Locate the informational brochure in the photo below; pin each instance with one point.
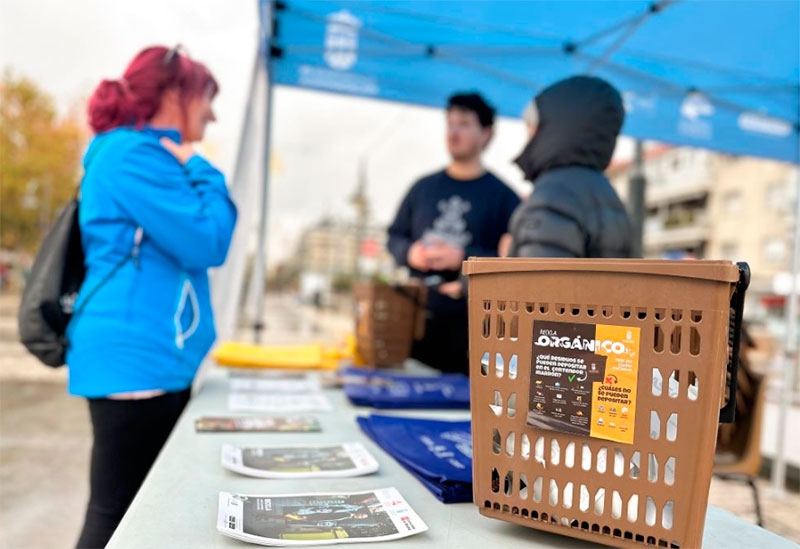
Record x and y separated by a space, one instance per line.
278 403
265 373
257 424
300 461
317 519
305 384
584 378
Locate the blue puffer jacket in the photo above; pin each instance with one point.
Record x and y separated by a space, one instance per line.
149 324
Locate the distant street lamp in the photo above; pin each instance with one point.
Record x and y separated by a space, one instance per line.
360 203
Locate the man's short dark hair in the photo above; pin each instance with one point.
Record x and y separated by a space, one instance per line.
473 102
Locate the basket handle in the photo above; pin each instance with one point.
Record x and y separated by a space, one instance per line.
727 414
413 297
419 303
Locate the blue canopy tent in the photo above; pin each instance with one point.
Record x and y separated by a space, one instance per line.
718 75
722 75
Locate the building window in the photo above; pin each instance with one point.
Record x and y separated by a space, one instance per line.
730 251
776 196
732 203
775 250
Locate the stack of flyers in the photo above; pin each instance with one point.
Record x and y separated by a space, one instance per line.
437 453
300 461
277 393
278 403
265 374
297 424
398 391
317 519
302 384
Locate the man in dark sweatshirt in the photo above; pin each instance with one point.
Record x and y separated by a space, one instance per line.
573 210
446 217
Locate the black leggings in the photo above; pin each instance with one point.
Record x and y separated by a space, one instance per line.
128 435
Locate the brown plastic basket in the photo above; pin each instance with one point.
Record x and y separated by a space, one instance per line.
621 453
388 320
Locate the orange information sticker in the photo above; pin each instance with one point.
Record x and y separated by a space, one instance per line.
583 379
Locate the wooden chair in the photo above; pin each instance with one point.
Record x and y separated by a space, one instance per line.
738 453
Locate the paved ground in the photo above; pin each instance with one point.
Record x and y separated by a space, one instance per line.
44 465
45 441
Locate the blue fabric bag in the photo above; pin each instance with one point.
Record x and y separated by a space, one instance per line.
397 391
438 453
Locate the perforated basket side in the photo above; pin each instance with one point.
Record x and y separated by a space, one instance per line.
653 491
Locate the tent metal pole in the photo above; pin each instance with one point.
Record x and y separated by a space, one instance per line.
636 189
260 267
228 281
599 63
789 357
632 27
247 122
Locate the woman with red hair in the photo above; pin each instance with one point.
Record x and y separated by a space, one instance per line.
154 217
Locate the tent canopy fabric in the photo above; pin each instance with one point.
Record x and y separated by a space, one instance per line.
722 75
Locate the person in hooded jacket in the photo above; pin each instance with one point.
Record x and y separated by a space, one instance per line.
573 210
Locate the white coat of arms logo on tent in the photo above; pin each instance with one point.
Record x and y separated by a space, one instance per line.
695 106
696 116
341 40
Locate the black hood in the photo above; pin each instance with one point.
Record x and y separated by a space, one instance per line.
579 121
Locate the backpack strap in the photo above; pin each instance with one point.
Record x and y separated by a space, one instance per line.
133 255
137 237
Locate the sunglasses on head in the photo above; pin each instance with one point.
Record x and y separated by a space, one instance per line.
173 54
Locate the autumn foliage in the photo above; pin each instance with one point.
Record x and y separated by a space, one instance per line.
40 156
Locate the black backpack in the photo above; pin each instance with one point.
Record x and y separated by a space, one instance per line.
52 286
48 301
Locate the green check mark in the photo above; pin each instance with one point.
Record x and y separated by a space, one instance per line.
571 378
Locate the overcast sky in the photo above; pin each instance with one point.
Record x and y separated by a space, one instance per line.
69 46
